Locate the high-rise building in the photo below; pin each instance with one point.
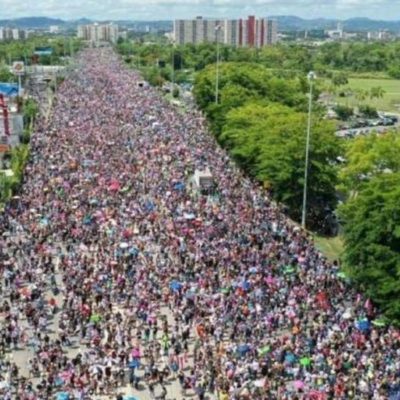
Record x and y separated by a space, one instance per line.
99 32
11 34
251 32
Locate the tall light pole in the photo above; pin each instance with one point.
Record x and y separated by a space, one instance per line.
173 66
311 78
217 30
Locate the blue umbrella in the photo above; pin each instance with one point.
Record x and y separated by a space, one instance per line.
129 397
290 358
363 325
149 205
62 396
179 186
133 251
175 286
243 349
87 220
246 285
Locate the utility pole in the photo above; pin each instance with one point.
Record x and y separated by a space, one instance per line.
173 66
310 77
217 30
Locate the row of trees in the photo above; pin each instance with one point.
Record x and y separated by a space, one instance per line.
23 50
19 155
284 58
371 218
261 119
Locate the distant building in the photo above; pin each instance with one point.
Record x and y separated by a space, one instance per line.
54 29
380 35
252 32
99 32
336 34
11 34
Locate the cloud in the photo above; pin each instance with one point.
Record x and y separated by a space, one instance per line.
170 9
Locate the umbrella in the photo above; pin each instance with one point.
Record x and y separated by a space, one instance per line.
262 351
316 395
305 361
129 397
95 318
269 280
245 285
87 220
290 358
298 385
44 221
341 275
175 286
289 269
149 205
62 396
123 245
179 186
363 325
243 349
379 323
114 186
189 216
225 290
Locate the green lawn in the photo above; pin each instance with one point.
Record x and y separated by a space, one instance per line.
332 248
389 102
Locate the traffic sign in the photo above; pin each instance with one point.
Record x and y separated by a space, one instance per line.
18 68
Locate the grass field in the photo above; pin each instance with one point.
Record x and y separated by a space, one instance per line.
390 100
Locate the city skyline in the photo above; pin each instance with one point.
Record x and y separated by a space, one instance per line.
176 9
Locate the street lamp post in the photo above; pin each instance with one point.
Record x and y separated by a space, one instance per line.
310 77
217 30
173 66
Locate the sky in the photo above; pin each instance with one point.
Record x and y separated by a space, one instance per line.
171 9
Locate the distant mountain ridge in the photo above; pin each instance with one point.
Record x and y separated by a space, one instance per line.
293 23
285 23
31 22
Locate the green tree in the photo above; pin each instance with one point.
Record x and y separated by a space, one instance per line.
30 110
376 93
241 82
343 112
340 79
372 239
269 143
368 157
360 95
368 111
5 74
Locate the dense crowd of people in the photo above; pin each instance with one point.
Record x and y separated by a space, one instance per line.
117 271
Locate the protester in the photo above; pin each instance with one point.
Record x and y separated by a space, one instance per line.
117 272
